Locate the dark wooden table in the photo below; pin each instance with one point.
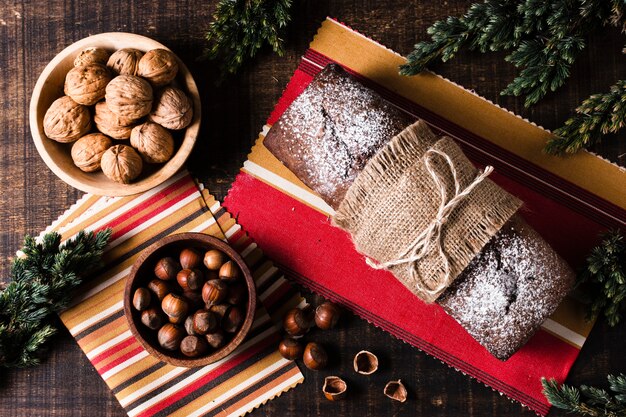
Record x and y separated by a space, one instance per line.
31 197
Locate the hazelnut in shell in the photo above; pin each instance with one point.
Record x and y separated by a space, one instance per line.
129 96
193 346
214 291
298 321
170 336
216 339
159 288
229 271
154 143
314 357
326 315
290 348
176 307
195 299
190 258
172 109
87 84
221 310
237 294
121 163
152 318
65 120
188 325
91 55
214 259
110 123
167 268
141 299
124 61
334 388
87 151
232 320
190 279
204 321
159 66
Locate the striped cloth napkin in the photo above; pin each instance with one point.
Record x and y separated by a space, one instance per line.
145 386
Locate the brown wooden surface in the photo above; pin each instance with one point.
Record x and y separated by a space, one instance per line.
32 32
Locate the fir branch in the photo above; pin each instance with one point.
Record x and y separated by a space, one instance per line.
241 27
605 274
598 115
42 282
586 400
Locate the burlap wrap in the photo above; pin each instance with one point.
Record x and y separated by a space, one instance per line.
395 198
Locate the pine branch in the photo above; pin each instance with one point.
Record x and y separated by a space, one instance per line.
598 115
42 282
241 27
586 400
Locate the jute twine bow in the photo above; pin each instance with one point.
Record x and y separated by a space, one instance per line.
432 234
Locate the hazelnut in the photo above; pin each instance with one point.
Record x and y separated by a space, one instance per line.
121 163
141 299
124 61
326 315
365 363
220 310
152 318
190 279
166 268
110 123
237 294
204 322
232 320
214 259
91 55
190 258
193 346
172 109
189 326
159 66
289 348
314 356
66 120
159 288
334 388
86 85
170 336
395 390
154 143
87 151
214 291
176 307
298 321
129 96
216 339
195 299
229 271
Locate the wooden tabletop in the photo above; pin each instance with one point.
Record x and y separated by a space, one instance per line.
31 197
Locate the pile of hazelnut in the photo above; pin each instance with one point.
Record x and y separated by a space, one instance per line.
196 303
126 95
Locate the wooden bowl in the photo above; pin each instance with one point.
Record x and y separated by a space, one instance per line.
143 271
57 156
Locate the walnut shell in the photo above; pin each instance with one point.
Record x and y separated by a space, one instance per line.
129 96
91 55
66 120
110 123
153 142
159 66
86 85
173 109
121 163
124 61
88 150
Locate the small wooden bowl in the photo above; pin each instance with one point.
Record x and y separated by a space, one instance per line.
143 271
57 156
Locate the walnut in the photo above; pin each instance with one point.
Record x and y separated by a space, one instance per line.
65 120
110 123
87 151
91 55
121 163
124 61
86 85
129 96
153 142
172 110
159 66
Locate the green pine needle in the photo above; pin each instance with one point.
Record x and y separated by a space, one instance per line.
42 283
586 400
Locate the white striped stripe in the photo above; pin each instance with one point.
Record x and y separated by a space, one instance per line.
230 232
564 333
133 359
202 227
215 207
127 334
268 395
94 319
247 251
288 187
149 387
270 290
265 130
215 402
266 275
115 278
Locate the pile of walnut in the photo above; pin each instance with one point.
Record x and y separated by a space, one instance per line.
129 95
194 308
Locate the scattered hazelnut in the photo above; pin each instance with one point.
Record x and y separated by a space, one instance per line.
154 143
91 55
214 259
214 292
334 388
176 307
159 288
124 61
141 299
290 348
121 163
204 322
152 318
86 84
365 363
216 339
167 268
159 66
129 96
395 390
190 258
65 120
229 271
232 319
170 336
190 279
326 315
110 123
87 151
314 356
297 321
193 346
172 109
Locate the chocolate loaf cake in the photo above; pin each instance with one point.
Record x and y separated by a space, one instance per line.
331 130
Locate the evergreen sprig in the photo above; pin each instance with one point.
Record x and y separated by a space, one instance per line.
543 38
241 27
605 275
42 280
587 400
